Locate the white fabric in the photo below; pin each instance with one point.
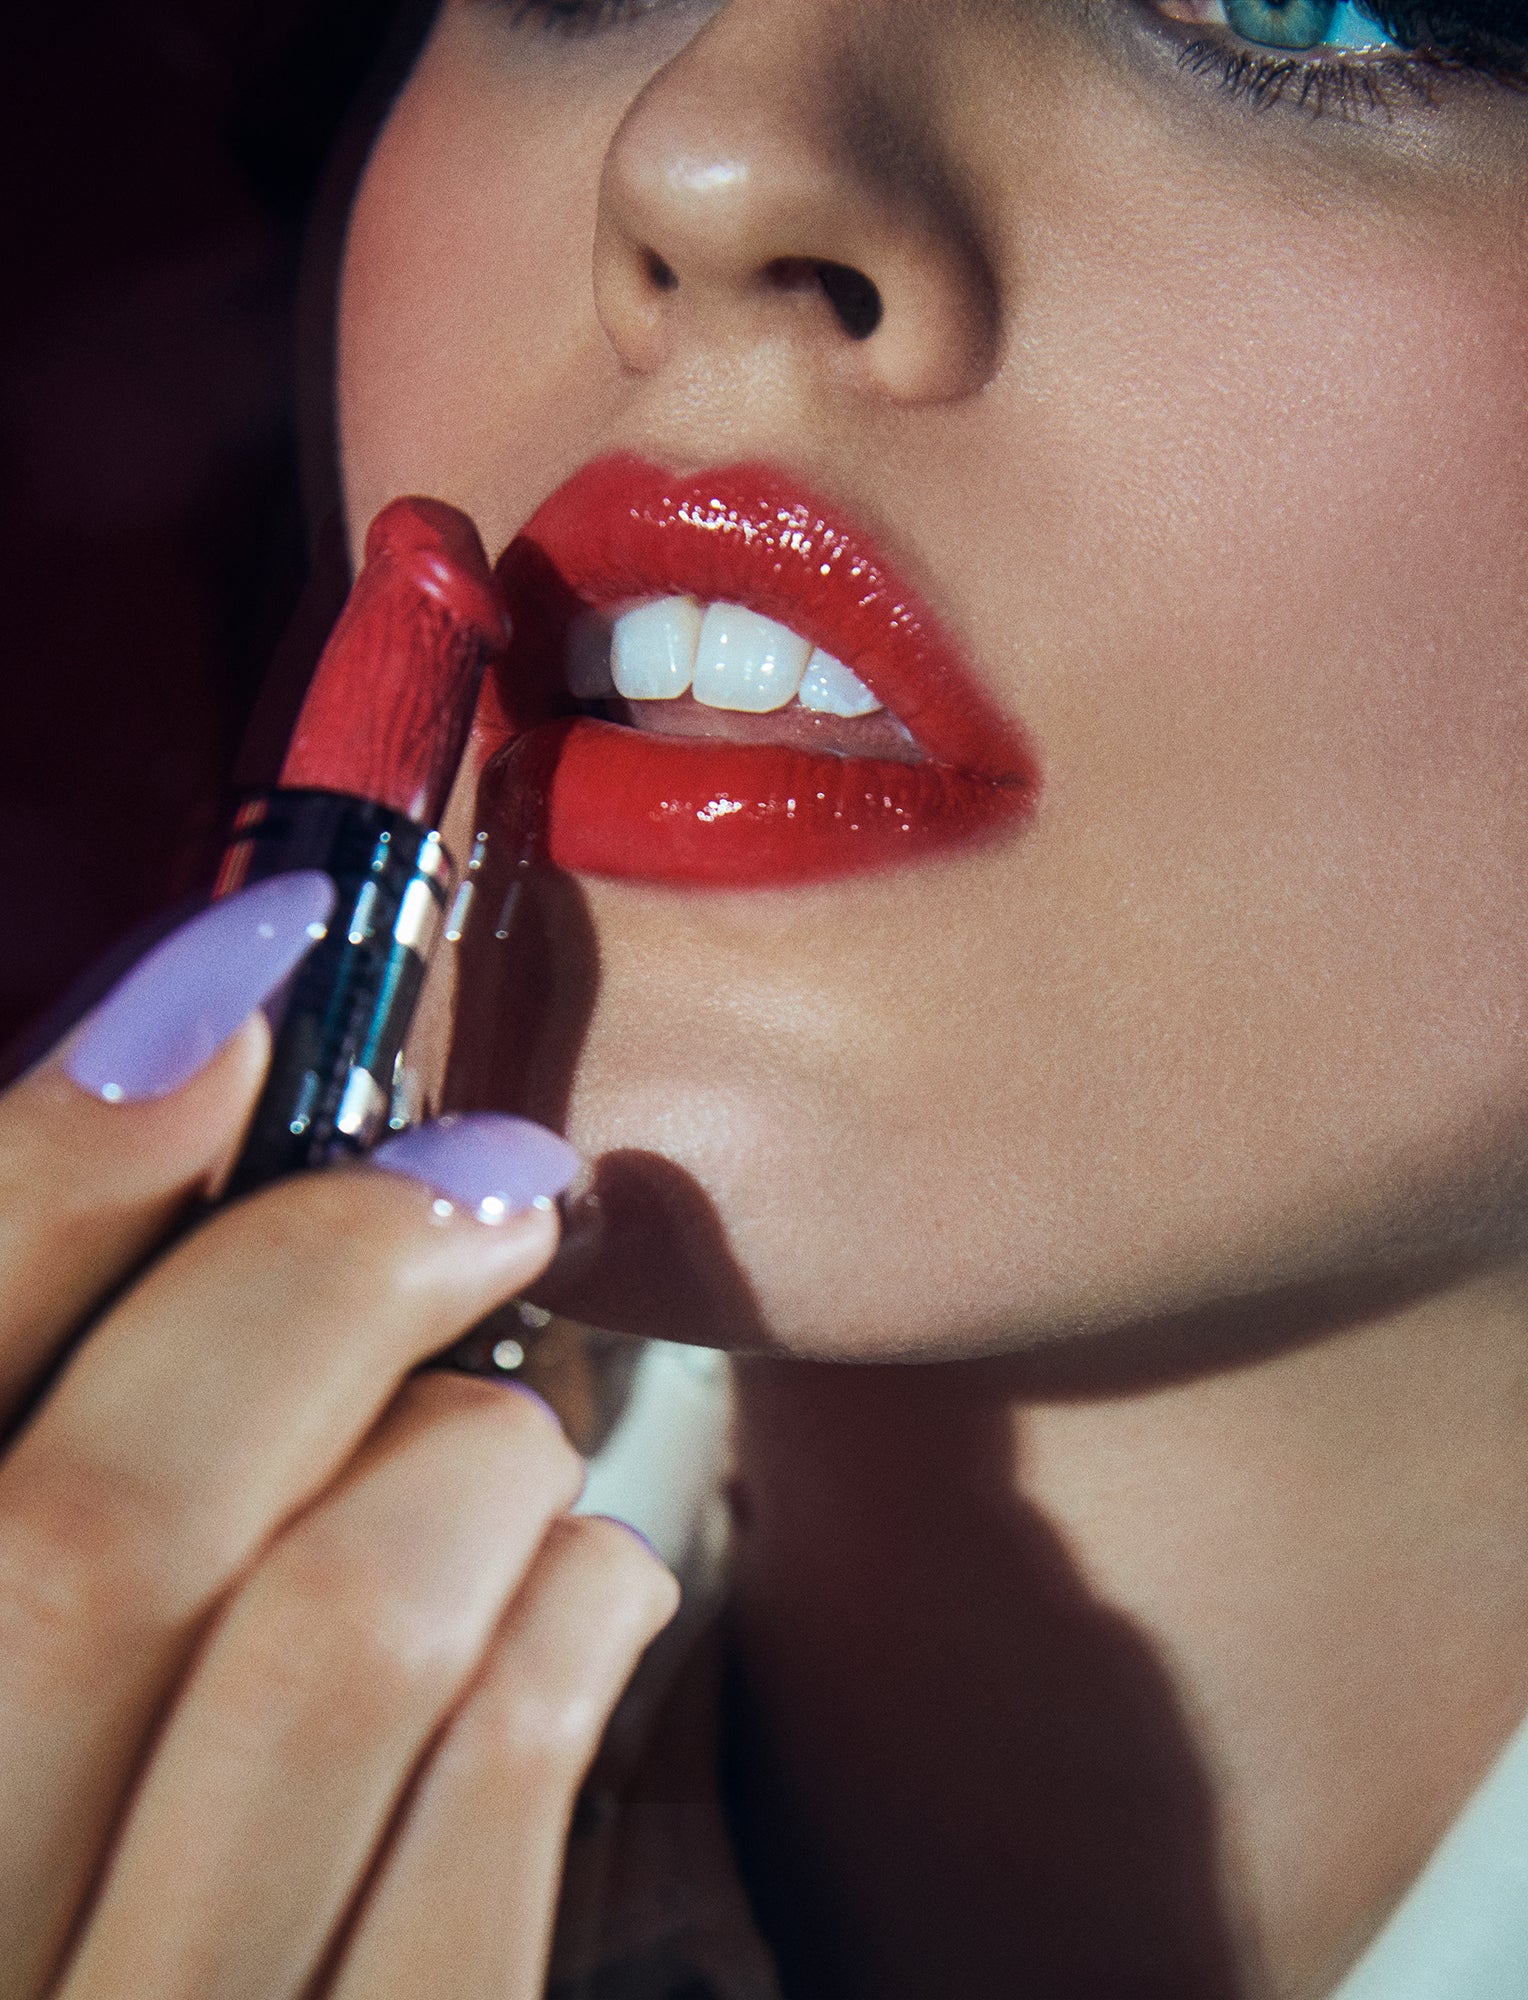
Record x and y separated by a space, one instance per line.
661 1468
1461 1933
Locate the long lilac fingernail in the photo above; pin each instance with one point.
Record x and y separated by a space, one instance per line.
482 1161
177 1007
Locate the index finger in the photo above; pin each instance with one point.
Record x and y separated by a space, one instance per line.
105 1142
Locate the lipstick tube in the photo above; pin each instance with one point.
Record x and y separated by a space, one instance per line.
372 760
343 1019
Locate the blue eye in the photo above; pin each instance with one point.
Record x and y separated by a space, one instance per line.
1304 24
1281 24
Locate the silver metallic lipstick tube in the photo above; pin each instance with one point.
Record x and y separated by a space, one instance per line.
338 1028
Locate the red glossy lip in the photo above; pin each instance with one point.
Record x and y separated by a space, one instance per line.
626 802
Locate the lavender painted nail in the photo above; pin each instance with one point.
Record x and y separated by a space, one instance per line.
480 1160
177 1007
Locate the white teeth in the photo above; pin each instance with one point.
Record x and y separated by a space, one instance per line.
830 688
747 662
727 655
589 676
653 649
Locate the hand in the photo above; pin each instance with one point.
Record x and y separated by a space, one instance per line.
302 1656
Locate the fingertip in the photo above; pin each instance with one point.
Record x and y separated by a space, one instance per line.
143 1149
629 1528
647 1578
496 1167
177 1008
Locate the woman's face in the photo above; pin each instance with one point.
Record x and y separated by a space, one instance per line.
1199 416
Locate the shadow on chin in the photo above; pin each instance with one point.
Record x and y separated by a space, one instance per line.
645 1252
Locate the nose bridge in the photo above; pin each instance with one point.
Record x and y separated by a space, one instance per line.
764 180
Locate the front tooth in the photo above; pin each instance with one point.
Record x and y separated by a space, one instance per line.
830 688
652 649
747 662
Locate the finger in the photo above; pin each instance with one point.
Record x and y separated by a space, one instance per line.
465 1899
323 1681
221 1394
106 1142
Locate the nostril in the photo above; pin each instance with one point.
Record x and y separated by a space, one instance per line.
854 299
661 276
791 274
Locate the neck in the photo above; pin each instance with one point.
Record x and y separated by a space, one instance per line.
1166 1692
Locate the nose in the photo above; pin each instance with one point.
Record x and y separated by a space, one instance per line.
764 190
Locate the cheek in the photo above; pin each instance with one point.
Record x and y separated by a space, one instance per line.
1267 480
1299 571
471 364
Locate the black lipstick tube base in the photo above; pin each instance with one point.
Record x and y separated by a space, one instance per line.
340 1025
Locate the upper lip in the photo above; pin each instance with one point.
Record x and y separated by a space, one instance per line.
622 529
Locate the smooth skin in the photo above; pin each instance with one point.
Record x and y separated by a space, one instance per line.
1183 1139
302 1657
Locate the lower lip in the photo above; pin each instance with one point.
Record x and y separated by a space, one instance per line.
625 802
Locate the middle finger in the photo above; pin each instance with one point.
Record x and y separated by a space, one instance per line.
318 1690
219 1396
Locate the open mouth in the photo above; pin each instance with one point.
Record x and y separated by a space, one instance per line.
680 668
715 680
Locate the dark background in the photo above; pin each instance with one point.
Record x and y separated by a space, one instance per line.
176 175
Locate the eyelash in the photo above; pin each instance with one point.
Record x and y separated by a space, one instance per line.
1337 86
578 17
1323 86
1352 89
